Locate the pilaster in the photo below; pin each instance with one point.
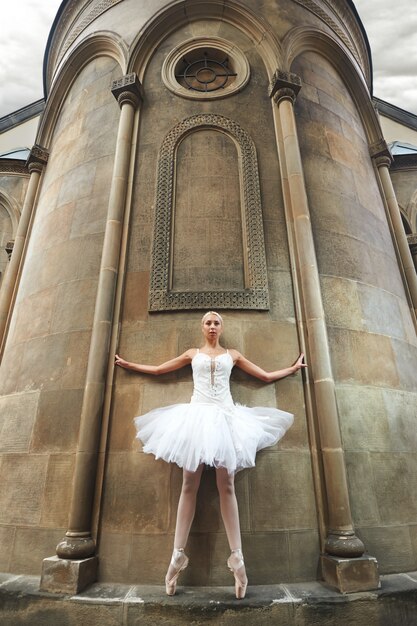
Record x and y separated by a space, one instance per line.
35 163
78 545
382 158
329 470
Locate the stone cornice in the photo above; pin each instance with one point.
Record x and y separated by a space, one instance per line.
13 167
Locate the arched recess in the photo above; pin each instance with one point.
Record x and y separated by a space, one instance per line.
9 219
412 212
181 12
302 39
254 295
10 206
101 43
406 222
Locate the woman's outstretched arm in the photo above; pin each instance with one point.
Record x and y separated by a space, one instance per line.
268 377
169 366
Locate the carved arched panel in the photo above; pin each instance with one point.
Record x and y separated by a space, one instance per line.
166 291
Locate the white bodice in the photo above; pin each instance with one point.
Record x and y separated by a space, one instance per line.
211 378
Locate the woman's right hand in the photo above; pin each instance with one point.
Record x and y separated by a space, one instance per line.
121 362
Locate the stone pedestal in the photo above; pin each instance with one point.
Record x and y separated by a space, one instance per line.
68 576
350 575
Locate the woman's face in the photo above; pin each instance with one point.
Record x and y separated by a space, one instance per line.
212 327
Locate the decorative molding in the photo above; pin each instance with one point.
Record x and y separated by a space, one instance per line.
10 166
9 248
255 296
312 6
239 60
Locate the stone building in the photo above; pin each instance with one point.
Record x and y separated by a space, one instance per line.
192 155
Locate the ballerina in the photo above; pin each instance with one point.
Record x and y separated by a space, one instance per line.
210 430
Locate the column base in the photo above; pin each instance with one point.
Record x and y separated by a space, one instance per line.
68 576
350 574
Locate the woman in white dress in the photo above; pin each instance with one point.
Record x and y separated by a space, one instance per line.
210 430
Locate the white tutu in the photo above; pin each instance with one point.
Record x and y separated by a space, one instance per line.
211 429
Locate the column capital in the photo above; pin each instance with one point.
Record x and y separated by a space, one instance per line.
37 159
380 153
128 88
284 86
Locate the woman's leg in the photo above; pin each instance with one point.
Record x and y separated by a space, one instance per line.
186 511
228 507
230 515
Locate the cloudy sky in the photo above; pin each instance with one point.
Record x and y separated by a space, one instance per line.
391 28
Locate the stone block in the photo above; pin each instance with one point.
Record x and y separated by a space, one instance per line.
406 364
17 415
10 368
31 545
350 575
125 407
363 418
43 362
58 489
363 357
74 309
135 303
341 302
401 414
395 480
114 550
363 500
380 311
34 315
303 555
89 217
266 557
136 496
65 576
6 545
74 371
149 558
282 491
57 421
21 488
281 296
390 545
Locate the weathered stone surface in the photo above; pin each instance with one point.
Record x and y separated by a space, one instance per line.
65 576
350 575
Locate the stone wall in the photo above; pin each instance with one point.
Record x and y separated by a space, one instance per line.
43 367
372 338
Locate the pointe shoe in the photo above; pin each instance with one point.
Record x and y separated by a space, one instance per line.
179 560
241 581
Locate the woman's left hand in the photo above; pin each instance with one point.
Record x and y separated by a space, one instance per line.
299 364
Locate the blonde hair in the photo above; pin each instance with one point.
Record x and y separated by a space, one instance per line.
211 313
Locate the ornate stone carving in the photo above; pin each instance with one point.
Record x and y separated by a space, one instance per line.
127 89
380 153
255 296
314 7
100 8
37 158
9 248
284 85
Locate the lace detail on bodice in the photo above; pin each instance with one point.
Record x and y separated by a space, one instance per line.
211 378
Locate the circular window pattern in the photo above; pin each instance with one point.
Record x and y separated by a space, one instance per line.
205 69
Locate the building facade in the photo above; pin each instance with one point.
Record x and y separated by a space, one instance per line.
195 155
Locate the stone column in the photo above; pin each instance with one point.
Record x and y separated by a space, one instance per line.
382 158
35 163
75 565
343 563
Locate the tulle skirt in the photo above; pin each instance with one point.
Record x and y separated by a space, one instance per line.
216 435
